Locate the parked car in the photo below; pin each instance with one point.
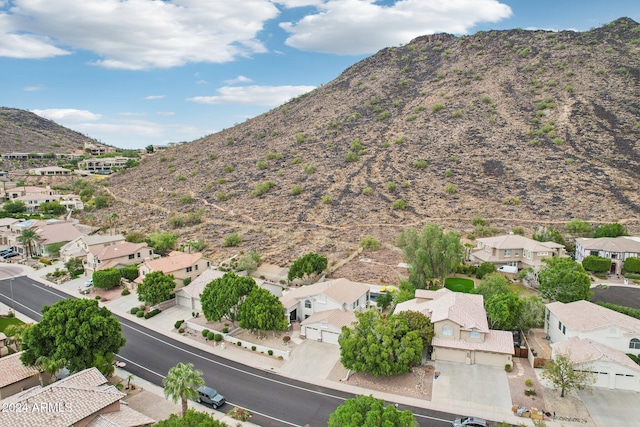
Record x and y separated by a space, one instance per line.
210 396
9 255
508 269
470 422
88 283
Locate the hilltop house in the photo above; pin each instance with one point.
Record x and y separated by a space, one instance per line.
325 307
461 329
181 265
104 165
33 201
117 256
617 249
51 171
514 250
599 337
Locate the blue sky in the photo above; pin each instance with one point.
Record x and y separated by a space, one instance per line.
136 72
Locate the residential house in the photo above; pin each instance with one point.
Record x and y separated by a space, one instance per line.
189 296
5 230
325 307
16 377
33 201
97 149
606 333
50 232
461 330
82 245
15 192
181 265
117 256
51 171
104 165
84 399
617 249
4 349
514 250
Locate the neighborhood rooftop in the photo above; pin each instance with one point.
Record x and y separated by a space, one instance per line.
586 316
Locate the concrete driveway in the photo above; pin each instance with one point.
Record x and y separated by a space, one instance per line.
471 386
312 359
611 407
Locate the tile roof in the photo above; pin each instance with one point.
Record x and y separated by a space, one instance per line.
337 318
494 342
514 241
13 370
611 244
118 250
343 291
125 417
97 239
467 310
195 288
584 350
58 232
174 262
583 316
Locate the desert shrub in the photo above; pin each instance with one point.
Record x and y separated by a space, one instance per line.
420 164
508 368
530 392
261 164
370 243
367 191
211 336
134 310
140 313
152 313
262 188
326 199
391 186
125 292
45 261
205 332
528 382
450 189
181 330
217 337
296 190
270 352
399 205
351 157
178 324
253 348
437 107
231 240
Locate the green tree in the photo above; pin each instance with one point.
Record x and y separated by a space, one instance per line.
384 300
15 334
548 234
367 411
129 272
407 291
75 330
632 265
221 297
419 323
135 237
262 311
101 202
504 311
432 254
578 227
162 242
50 366
596 264
107 278
28 238
248 262
52 208
531 313
14 207
562 373
484 269
307 266
492 284
74 266
149 148
112 220
564 280
192 418
156 287
380 346
610 230
181 383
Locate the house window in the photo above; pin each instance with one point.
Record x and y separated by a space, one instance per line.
307 304
474 334
543 253
507 252
516 252
149 252
564 330
355 305
447 331
634 344
196 267
189 269
559 325
132 256
138 254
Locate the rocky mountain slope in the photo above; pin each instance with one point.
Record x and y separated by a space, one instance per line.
523 127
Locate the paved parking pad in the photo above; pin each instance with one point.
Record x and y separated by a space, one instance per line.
612 407
471 385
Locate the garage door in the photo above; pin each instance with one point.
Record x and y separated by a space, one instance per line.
627 382
184 301
450 355
492 359
312 333
330 337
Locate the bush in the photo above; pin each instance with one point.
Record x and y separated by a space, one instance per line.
632 265
125 292
129 272
484 269
596 264
211 336
225 330
181 330
370 243
632 276
286 338
262 188
270 352
508 368
186 281
528 382
217 337
633 312
178 324
232 239
140 313
239 344
107 278
253 348
134 310
151 313
530 392
45 261
205 332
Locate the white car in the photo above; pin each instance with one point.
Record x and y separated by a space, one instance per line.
88 283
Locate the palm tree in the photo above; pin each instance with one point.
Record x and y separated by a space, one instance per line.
182 383
50 366
112 220
27 238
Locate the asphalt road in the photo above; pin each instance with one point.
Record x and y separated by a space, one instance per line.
621 295
274 400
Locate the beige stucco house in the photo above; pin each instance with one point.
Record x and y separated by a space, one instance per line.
82 245
461 330
117 256
514 250
15 376
179 264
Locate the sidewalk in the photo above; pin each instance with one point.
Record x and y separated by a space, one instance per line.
164 322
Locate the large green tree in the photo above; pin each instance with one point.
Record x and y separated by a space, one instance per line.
504 311
419 323
432 254
155 287
367 411
75 330
52 208
566 375
181 383
578 227
610 230
380 346
28 238
307 266
531 313
492 284
14 207
192 418
262 311
564 280
162 242
221 297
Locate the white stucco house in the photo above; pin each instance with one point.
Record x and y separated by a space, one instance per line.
596 335
461 330
617 249
325 307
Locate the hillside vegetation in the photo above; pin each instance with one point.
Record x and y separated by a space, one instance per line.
521 127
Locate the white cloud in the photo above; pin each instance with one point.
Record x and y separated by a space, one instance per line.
355 27
132 114
253 95
32 88
239 79
165 113
140 34
153 97
67 115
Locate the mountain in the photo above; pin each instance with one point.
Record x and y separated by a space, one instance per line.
521 127
25 132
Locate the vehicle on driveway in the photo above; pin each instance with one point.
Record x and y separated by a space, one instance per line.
9 255
470 422
88 283
210 396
